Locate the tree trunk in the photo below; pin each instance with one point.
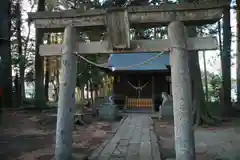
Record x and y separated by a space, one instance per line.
57 79
91 91
5 54
21 56
103 89
97 91
205 76
196 81
238 51
195 76
226 62
26 49
87 88
200 112
46 83
47 68
39 70
82 93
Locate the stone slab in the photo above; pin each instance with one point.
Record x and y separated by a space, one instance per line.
134 140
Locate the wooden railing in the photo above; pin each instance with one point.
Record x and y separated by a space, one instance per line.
139 103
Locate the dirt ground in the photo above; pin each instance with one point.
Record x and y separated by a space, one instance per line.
30 135
211 143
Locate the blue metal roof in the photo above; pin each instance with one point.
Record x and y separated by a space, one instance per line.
120 62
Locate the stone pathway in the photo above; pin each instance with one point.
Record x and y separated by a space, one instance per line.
134 140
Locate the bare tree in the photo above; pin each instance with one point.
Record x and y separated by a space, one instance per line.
21 93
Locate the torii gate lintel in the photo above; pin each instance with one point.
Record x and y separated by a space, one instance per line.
119 21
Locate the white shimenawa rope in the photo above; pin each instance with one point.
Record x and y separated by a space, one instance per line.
138 87
120 68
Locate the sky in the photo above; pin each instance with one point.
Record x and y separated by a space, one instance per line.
212 58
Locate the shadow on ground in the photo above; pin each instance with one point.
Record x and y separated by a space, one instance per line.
30 135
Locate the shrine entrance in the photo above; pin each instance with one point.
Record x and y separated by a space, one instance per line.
140 92
134 87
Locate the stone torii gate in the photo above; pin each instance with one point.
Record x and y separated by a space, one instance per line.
118 22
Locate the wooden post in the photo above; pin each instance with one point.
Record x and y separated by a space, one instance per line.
184 146
114 86
66 102
153 93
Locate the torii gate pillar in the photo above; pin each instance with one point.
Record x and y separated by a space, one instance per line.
66 102
181 91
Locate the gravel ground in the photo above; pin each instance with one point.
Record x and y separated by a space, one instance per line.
211 143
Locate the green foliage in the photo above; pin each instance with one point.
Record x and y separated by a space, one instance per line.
87 72
81 5
214 86
208 29
82 74
29 77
